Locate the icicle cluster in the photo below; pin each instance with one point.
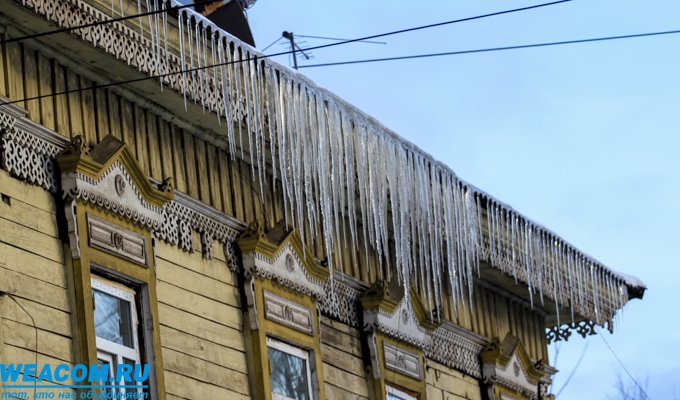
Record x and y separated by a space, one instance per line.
336 164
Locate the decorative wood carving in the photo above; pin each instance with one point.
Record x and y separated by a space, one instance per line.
116 240
288 313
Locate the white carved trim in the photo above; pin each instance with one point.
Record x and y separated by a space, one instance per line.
102 192
286 268
402 324
288 313
116 240
341 299
512 376
402 361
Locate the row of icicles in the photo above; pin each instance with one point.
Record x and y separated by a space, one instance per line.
343 173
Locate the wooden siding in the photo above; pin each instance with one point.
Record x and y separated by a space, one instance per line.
33 273
343 367
201 325
444 383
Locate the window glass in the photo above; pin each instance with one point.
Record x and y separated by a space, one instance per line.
288 372
396 394
112 318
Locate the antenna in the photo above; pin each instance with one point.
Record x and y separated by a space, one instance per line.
294 47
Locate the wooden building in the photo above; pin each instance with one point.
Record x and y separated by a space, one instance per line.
250 235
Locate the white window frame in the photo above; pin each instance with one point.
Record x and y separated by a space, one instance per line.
113 352
391 390
297 352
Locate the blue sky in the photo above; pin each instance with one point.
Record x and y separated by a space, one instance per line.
581 138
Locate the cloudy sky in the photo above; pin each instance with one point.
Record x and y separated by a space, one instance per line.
582 138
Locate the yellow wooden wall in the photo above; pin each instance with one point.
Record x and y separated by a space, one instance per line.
444 383
207 173
343 368
33 273
201 326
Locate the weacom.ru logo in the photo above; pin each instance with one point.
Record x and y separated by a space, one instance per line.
96 381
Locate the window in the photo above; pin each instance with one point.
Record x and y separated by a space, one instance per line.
115 325
289 371
396 394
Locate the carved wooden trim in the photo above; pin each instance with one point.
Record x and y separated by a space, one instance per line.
402 361
116 240
288 313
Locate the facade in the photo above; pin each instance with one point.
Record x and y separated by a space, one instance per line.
246 234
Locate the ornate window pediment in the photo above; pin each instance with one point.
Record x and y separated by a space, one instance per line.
397 333
113 211
283 285
509 372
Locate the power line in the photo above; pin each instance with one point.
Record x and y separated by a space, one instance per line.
105 21
263 56
491 49
623 366
573 371
338 39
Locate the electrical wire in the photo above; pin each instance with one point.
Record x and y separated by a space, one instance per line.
102 22
623 366
117 83
573 371
338 39
491 49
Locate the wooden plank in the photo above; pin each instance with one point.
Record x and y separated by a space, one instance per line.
46 87
22 356
101 101
15 73
214 177
88 108
29 194
178 158
198 369
140 138
199 305
347 343
247 192
236 188
190 163
206 350
337 393
23 336
45 317
165 143
196 283
75 110
115 120
194 325
31 241
225 182
30 217
128 124
184 386
4 90
202 171
31 84
61 101
32 265
216 268
24 286
345 361
340 378
153 146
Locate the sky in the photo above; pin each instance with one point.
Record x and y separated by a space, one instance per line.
582 138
